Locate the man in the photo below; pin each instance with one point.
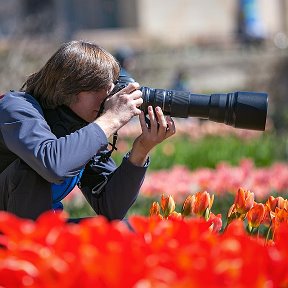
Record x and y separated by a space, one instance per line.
54 135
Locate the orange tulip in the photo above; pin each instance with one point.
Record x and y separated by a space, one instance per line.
233 214
167 205
282 203
201 201
278 217
272 203
255 215
244 201
231 211
175 215
267 216
187 206
155 209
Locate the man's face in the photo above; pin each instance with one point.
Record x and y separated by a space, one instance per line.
88 103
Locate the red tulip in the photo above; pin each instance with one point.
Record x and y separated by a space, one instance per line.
216 222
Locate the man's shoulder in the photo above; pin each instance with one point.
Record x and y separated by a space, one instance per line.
16 96
16 102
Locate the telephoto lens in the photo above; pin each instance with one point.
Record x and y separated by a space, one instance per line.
245 110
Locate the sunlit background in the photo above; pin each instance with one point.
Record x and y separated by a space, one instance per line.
227 44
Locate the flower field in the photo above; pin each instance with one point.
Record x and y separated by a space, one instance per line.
223 181
185 249
225 178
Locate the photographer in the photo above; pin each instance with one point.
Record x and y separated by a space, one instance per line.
54 135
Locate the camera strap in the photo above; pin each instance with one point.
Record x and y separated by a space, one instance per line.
106 156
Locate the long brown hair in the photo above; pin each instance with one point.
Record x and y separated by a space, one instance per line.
76 66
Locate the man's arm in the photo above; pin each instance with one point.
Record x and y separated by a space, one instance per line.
112 191
26 133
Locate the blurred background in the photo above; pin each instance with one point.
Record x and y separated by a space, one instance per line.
203 46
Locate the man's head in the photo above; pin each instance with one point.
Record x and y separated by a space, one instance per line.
76 67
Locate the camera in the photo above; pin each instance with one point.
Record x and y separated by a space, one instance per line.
245 110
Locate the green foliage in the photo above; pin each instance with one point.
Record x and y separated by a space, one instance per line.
78 210
142 205
210 150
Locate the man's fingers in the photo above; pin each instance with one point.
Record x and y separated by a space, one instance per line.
153 120
161 122
130 88
161 126
171 129
143 122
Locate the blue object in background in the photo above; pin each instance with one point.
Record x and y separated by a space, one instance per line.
251 24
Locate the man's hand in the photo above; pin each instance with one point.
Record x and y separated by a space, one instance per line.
161 128
119 108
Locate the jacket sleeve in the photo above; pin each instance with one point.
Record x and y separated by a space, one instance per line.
26 133
111 191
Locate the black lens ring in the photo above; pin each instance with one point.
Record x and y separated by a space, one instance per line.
230 111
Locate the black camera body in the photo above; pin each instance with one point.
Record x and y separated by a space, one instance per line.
246 110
